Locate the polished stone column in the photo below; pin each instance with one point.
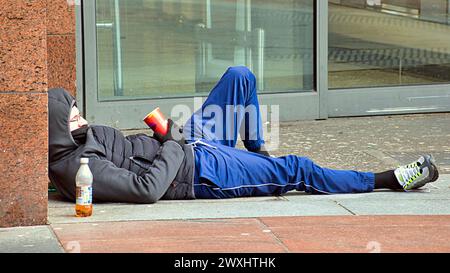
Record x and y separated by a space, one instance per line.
23 113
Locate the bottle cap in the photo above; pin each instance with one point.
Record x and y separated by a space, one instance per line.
84 160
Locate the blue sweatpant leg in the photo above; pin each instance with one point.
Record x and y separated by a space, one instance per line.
224 172
231 108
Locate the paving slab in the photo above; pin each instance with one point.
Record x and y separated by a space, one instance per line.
39 239
402 207
193 236
363 234
431 200
202 209
353 234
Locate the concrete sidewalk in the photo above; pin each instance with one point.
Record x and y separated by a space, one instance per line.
432 200
383 221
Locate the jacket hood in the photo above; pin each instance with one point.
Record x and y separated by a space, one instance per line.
61 142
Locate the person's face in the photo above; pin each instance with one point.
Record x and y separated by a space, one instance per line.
76 120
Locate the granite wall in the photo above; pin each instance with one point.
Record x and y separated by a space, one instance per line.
37 52
61 44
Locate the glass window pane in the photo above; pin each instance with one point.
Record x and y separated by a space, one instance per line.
388 42
151 48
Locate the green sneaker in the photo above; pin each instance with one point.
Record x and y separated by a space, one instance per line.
416 175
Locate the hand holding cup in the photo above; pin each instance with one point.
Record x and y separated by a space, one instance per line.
164 130
174 133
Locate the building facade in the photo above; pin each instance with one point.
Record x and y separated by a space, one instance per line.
312 59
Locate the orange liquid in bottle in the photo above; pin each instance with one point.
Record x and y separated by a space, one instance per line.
83 205
83 211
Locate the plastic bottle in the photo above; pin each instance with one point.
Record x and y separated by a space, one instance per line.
84 181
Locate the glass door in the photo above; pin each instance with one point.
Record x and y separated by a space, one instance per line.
388 56
141 54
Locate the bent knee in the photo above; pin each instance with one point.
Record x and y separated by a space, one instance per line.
240 72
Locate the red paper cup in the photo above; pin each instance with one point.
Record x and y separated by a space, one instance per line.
157 122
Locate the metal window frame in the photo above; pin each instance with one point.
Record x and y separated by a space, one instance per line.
389 100
79 41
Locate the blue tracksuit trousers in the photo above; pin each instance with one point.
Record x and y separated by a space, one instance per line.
221 171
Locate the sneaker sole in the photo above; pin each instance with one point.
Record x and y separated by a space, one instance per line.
436 169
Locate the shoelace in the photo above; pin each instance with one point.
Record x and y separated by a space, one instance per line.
411 173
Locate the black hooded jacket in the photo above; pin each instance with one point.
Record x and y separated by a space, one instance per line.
133 169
